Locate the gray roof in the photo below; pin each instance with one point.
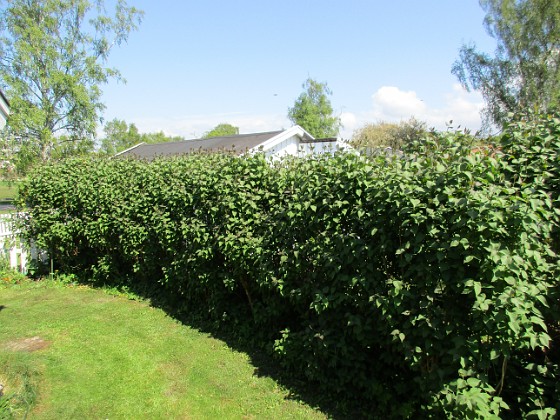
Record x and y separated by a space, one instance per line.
238 144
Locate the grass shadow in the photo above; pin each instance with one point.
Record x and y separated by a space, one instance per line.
334 406
339 406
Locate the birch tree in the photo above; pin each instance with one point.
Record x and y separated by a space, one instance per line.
524 72
53 63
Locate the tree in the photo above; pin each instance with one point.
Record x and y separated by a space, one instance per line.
221 130
312 110
53 56
524 73
119 136
384 134
159 137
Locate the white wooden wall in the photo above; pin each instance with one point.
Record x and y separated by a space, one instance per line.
286 147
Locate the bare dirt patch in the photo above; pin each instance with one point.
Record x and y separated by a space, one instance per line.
27 344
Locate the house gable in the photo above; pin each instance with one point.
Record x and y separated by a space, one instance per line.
296 141
286 142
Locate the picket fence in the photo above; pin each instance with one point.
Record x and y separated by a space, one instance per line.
12 247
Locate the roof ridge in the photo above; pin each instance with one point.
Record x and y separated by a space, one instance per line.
213 138
238 135
237 143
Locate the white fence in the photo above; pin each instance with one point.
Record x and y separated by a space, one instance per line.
11 246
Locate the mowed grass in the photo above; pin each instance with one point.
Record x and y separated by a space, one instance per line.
84 353
8 190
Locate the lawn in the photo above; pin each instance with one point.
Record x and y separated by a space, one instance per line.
78 352
8 190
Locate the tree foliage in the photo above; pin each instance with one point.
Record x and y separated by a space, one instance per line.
53 61
312 110
524 72
221 130
119 136
385 134
159 137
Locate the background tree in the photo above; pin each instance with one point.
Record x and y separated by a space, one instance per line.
53 56
524 73
312 110
119 136
221 130
385 134
159 137
11 161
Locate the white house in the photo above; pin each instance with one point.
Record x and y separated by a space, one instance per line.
293 141
4 110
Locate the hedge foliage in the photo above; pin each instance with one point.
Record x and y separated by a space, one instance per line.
426 283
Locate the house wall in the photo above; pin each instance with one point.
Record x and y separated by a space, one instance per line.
321 147
294 147
286 147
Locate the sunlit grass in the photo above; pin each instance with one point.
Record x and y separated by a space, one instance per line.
104 356
8 190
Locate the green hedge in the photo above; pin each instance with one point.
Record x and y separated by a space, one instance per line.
418 284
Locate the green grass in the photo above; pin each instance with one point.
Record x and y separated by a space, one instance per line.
8 190
105 356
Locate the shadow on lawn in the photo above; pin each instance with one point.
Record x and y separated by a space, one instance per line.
333 406
341 405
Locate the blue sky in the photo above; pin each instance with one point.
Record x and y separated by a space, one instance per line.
195 64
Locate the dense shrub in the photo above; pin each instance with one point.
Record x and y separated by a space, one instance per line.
426 283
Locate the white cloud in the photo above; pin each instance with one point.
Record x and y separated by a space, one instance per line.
348 119
350 122
464 107
393 104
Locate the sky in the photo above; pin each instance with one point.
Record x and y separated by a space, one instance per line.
195 64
